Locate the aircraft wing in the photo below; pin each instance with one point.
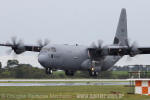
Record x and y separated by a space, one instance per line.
22 48
118 51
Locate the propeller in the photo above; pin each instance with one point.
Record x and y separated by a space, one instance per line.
98 45
101 50
42 43
16 45
133 49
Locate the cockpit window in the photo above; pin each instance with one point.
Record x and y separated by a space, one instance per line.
44 50
53 49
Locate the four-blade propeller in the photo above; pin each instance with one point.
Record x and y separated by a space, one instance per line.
42 43
98 51
18 46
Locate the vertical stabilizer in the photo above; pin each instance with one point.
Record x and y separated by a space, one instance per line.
121 37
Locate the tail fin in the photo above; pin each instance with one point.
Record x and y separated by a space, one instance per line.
121 37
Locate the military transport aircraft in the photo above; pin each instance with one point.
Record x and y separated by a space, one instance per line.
93 58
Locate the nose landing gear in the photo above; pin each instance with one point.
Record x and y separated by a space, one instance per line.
48 71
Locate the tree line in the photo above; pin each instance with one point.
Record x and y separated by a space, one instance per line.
15 70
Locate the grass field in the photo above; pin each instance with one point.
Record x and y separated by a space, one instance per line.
69 93
59 81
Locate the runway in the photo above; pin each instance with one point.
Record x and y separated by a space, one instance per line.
62 82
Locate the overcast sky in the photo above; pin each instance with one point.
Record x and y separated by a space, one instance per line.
72 21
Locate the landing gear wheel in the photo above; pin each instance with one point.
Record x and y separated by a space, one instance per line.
69 73
93 73
48 71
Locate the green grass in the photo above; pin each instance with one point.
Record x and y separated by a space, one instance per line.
58 81
67 93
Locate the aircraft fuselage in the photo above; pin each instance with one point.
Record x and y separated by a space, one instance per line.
63 57
72 57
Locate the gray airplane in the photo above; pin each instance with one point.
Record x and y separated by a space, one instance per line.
93 58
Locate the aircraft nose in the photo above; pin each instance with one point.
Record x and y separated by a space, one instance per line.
43 60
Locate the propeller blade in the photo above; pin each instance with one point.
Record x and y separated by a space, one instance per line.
98 45
14 40
20 43
93 45
100 42
134 44
46 42
17 46
39 42
42 43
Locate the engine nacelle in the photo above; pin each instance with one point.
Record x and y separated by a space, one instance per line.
18 50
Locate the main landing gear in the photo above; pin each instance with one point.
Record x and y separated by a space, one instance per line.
92 72
48 71
69 72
